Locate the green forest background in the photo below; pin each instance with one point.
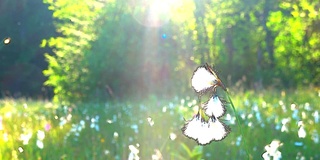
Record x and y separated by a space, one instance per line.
108 49
110 79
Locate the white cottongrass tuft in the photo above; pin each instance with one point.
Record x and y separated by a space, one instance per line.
150 121
203 79
205 132
40 135
133 155
272 151
213 130
40 144
157 155
301 132
25 138
214 107
192 127
201 129
172 136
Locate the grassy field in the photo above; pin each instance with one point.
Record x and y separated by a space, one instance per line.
152 129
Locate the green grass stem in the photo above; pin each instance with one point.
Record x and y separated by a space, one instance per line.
239 125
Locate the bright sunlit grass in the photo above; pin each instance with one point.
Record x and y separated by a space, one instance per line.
151 129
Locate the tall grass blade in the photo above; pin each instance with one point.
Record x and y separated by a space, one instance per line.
239 126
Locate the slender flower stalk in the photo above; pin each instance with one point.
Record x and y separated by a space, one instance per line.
239 125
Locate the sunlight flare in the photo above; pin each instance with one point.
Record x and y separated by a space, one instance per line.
153 13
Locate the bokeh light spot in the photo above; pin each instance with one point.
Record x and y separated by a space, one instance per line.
7 40
164 36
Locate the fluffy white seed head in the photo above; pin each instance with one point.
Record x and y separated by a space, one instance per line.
205 131
212 131
202 79
191 128
214 107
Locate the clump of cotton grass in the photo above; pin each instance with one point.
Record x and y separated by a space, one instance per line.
205 79
40 138
214 107
205 126
301 132
134 151
272 151
204 132
157 155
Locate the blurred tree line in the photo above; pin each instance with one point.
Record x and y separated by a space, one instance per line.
106 49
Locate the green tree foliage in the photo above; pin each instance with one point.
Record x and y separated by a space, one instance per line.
122 53
110 49
67 70
296 25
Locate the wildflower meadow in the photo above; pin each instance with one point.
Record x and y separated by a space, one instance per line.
274 123
159 80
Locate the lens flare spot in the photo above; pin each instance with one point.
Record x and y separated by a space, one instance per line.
153 13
